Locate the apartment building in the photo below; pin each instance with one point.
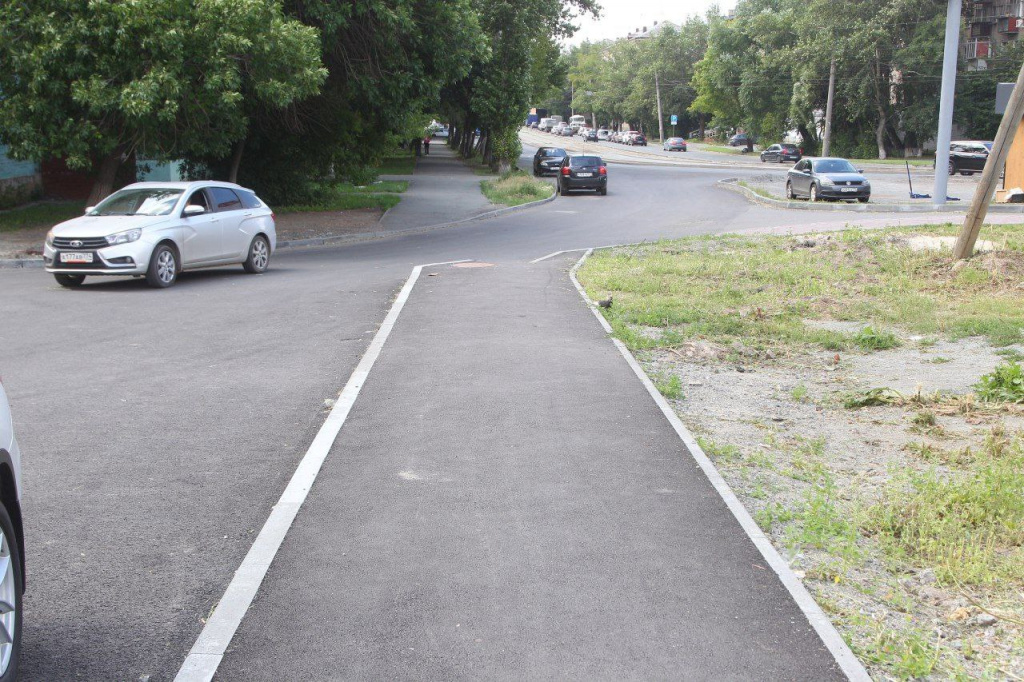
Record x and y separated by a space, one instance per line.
992 23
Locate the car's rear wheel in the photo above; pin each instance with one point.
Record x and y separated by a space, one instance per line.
259 255
863 200
163 267
814 192
11 585
69 281
563 190
603 191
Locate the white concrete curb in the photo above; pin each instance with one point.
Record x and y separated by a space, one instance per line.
732 184
208 651
847 661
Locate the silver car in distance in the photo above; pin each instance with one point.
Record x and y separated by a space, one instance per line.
158 229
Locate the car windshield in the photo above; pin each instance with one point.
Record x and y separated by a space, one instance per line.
789 147
151 201
550 151
834 166
675 140
584 161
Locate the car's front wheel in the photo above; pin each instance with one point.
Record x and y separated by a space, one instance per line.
69 281
863 200
11 588
163 267
789 191
814 193
952 168
259 255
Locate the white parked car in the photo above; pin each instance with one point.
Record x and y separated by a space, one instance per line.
158 229
12 545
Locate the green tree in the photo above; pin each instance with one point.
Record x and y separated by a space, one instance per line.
95 81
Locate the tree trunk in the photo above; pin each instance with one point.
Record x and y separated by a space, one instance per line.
104 184
236 160
880 133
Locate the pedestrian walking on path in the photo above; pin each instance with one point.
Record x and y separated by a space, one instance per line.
426 144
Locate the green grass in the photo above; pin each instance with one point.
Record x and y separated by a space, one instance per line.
398 164
342 198
967 524
516 188
396 186
42 215
758 291
920 163
759 191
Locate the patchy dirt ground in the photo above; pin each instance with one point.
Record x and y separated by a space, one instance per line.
776 425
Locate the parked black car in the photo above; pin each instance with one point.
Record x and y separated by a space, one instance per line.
741 140
590 136
636 138
547 160
827 178
781 153
583 172
968 158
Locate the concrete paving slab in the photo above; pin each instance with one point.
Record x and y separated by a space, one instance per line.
505 501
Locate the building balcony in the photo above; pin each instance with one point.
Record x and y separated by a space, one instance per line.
977 49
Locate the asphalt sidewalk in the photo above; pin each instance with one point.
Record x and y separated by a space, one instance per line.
505 501
441 190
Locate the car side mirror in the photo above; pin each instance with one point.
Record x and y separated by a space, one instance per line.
192 210
861 171
89 209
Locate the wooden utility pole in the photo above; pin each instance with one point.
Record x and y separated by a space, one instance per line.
990 176
661 121
826 143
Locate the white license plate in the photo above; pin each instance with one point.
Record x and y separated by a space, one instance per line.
76 258
584 175
847 189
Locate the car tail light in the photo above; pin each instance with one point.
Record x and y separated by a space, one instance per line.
565 170
603 170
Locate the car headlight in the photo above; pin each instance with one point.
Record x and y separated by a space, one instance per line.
49 238
826 180
124 237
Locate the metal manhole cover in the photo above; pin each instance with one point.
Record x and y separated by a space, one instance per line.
473 265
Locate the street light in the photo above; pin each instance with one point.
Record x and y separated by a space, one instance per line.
949 57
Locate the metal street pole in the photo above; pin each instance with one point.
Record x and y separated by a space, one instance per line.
949 59
826 144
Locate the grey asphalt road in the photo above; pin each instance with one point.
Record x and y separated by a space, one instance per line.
158 427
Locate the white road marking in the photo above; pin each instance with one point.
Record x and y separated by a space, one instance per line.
847 661
208 651
592 248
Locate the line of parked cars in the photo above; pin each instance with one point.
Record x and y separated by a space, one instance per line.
579 171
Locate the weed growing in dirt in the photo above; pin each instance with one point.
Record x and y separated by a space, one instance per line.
671 387
924 418
869 338
907 655
771 515
799 393
968 525
718 452
874 397
822 523
1004 385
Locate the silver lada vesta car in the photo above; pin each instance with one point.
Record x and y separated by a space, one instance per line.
158 229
